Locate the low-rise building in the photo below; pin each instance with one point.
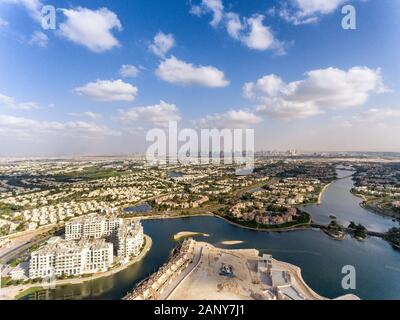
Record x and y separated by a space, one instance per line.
71 258
129 240
19 272
92 227
88 247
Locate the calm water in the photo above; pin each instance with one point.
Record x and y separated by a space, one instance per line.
175 174
339 202
320 258
141 208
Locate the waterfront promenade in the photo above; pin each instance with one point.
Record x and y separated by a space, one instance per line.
182 276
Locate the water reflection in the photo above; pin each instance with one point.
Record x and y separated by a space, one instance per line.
339 202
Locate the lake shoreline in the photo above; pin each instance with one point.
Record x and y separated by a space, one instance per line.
304 249
323 191
297 227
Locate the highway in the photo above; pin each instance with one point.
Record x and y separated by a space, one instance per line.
22 244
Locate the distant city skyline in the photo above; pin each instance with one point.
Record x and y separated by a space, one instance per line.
111 71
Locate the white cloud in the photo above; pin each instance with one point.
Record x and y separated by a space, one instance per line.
231 119
233 25
162 43
249 31
10 102
258 36
210 6
180 72
33 7
310 7
25 127
280 108
158 114
91 28
128 71
39 38
321 90
308 11
108 90
270 85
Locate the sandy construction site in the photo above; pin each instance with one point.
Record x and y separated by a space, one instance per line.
252 277
205 282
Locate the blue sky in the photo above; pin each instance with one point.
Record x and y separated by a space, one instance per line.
311 85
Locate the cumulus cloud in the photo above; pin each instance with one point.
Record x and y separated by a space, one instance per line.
108 90
249 31
26 127
162 43
252 32
128 71
91 28
234 25
321 90
10 102
158 114
209 6
258 36
180 72
39 38
308 11
231 119
270 85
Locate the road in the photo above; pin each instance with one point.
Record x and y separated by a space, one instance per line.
22 243
177 281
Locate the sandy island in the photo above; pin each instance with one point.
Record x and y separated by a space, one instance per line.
231 242
188 234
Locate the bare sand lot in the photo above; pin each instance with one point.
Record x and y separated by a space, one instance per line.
204 282
242 275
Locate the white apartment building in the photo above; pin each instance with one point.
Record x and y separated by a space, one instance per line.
129 240
92 227
71 258
88 247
